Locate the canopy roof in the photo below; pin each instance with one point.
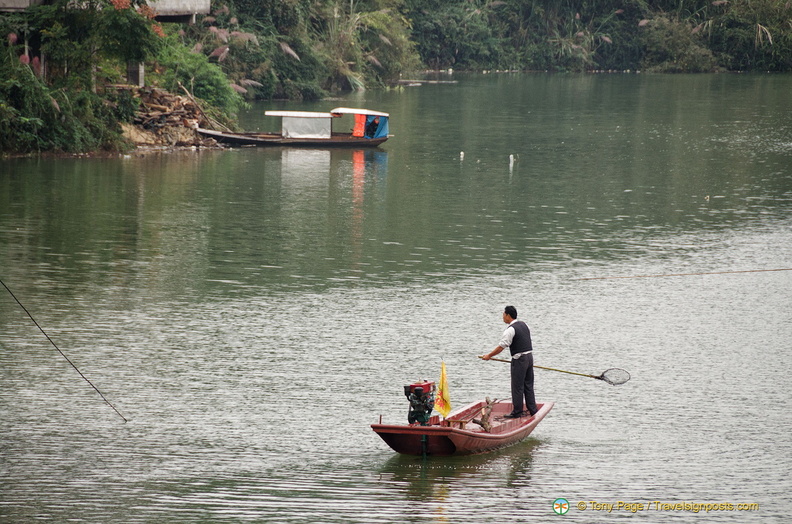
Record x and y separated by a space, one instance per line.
333 113
353 111
299 114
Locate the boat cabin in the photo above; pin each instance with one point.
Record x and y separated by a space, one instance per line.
310 124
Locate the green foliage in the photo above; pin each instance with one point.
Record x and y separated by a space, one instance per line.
176 65
386 46
670 46
752 35
297 79
576 35
123 105
361 44
34 117
255 57
21 133
126 35
306 47
282 17
62 112
298 49
75 36
458 34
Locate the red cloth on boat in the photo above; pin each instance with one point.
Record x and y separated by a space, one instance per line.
360 125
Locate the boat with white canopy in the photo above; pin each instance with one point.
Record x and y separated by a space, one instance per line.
315 129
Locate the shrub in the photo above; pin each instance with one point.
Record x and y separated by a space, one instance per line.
178 65
670 46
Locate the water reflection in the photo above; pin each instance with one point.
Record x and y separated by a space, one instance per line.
324 197
293 219
438 488
319 179
431 478
232 218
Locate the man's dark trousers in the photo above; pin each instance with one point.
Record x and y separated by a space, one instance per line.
522 384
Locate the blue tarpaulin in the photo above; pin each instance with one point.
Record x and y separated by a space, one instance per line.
382 128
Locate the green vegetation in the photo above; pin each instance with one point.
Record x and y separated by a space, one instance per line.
566 35
177 66
304 49
54 106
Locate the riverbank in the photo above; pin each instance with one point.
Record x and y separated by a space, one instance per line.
162 121
166 120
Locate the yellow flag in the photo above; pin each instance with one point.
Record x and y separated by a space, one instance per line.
442 402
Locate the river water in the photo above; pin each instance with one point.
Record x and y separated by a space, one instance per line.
251 312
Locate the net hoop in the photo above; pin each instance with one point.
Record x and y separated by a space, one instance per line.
615 376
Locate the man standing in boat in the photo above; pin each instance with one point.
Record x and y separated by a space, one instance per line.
517 338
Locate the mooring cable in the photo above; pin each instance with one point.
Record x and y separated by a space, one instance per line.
685 274
61 352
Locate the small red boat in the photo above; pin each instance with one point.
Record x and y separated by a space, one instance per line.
475 428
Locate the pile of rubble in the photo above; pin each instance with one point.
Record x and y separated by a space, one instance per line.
166 119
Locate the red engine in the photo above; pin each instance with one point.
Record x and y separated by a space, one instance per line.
426 386
422 399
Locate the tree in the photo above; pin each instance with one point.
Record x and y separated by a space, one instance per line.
76 36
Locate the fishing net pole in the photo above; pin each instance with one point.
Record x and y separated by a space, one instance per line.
613 376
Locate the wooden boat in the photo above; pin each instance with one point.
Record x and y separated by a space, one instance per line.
458 434
313 129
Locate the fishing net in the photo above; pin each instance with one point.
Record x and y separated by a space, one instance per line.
615 376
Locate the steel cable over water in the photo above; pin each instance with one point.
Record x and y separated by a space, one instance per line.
61 352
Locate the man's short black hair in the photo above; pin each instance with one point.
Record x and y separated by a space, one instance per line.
511 311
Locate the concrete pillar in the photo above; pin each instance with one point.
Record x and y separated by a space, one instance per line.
135 73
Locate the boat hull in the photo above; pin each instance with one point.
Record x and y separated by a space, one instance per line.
268 139
447 437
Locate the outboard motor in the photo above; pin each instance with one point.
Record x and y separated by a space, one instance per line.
422 399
